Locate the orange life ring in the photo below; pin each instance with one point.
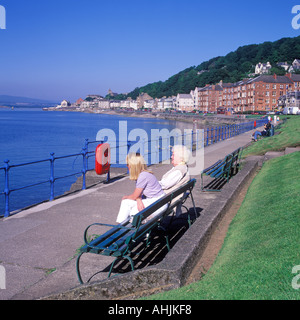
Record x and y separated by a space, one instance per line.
102 158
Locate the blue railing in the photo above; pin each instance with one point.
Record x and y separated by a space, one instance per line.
160 152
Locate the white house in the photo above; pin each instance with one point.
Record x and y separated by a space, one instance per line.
185 102
262 68
103 104
133 104
283 65
165 103
64 104
115 103
295 65
151 103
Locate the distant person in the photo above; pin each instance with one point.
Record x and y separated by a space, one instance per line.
267 128
147 189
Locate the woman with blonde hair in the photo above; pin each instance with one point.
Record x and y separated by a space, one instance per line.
146 192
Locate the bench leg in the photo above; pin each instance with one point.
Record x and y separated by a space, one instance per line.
119 258
194 206
77 268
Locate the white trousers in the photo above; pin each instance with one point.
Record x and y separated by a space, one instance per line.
129 208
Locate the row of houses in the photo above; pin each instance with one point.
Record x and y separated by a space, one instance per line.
142 101
257 94
264 68
261 93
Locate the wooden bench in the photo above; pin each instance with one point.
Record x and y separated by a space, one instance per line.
121 239
221 171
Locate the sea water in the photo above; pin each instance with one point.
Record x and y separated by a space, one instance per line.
28 135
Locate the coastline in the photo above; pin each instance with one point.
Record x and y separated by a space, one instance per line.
198 121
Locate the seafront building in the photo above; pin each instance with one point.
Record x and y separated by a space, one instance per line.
258 94
261 93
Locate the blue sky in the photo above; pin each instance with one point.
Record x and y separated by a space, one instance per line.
67 49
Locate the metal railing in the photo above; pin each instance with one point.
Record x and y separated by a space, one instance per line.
156 150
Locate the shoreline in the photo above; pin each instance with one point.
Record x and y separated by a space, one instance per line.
198 121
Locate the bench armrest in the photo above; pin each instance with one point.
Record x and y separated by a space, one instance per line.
119 226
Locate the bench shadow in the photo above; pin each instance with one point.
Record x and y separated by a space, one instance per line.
153 250
217 184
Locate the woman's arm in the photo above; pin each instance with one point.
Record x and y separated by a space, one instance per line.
137 193
137 196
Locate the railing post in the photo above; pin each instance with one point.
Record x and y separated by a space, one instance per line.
6 189
86 148
207 137
52 179
84 167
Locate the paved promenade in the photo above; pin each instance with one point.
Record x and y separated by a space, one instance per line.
38 245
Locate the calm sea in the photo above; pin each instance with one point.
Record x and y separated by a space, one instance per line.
32 134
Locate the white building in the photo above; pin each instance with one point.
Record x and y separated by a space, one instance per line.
184 102
133 104
166 103
115 103
283 65
103 104
64 104
262 68
86 104
125 104
150 104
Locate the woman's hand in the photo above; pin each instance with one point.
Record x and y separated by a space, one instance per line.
140 204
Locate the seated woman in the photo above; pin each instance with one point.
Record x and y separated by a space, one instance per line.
146 192
179 174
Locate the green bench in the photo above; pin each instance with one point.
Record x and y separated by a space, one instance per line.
120 240
221 171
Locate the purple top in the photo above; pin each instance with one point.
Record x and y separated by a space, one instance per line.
149 184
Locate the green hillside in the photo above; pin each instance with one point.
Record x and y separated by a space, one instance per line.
231 68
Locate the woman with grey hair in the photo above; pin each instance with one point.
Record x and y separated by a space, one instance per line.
179 174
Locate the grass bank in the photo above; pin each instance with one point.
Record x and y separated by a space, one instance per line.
262 244
289 136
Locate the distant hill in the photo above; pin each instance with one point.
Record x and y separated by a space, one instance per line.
233 67
23 101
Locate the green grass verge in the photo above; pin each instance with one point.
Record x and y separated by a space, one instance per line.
289 137
262 244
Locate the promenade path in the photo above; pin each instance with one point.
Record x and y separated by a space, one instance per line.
38 246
